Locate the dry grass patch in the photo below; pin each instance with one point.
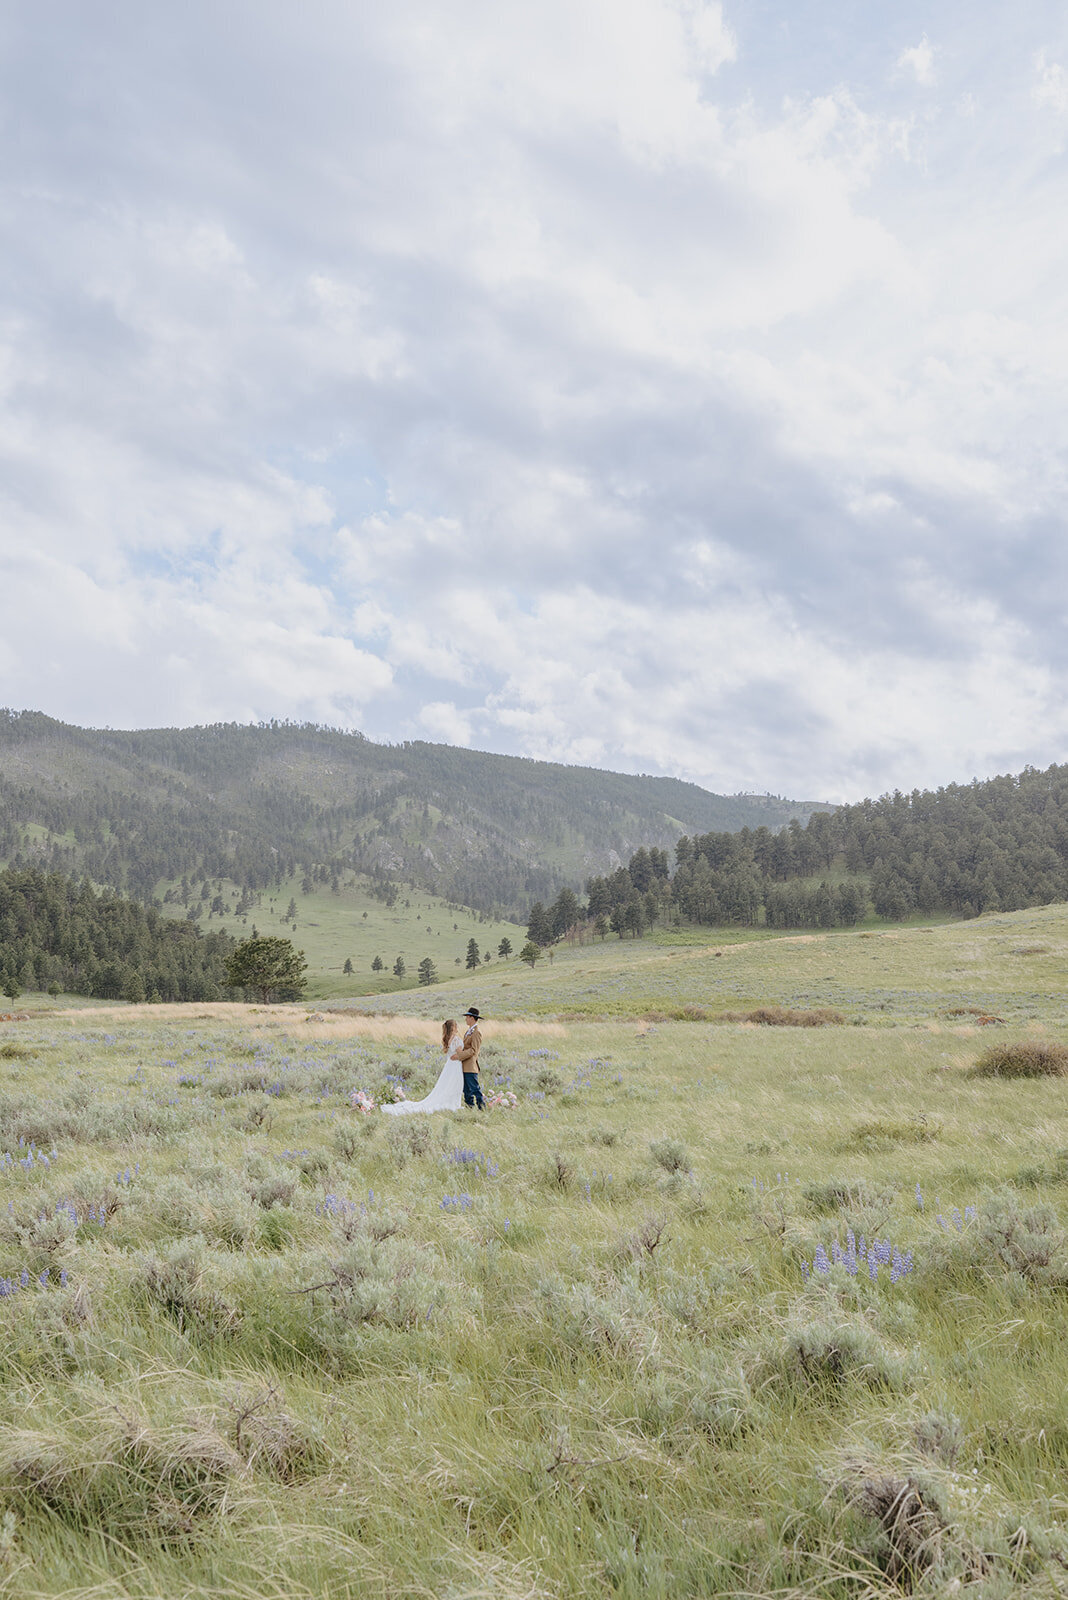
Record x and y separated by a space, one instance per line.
785 1017
1026 1058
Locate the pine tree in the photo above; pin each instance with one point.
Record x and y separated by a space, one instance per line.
539 928
399 969
504 949
427 971
347 968
377 965
270 966
473 957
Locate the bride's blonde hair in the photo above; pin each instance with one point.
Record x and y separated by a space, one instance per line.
448 1028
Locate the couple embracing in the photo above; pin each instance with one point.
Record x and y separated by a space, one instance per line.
458 1079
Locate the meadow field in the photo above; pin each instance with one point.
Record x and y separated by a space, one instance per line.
716 1309
352 925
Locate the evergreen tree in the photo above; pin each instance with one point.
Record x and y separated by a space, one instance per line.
272 967
530 953
377 965
347 968
539 927
564 913
473 956
504 949
427 971
399 969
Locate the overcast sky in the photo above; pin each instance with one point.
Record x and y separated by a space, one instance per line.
658 385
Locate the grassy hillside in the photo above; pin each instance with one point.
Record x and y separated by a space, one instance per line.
352 924
582 1349
1014 966
255 804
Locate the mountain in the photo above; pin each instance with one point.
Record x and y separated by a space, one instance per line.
255 804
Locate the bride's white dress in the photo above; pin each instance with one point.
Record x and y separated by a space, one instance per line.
446 1095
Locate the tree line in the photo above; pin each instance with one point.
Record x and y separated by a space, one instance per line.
995 845
59 935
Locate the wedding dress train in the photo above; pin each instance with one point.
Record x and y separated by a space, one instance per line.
446 1095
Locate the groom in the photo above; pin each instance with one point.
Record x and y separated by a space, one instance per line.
469 1056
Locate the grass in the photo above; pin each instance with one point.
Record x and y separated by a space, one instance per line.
958 975
272 1347
352 925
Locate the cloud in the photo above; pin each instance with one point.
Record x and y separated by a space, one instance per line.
918 60
1051 86
585 380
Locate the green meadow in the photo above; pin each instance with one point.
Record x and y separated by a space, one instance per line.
352 925
1013 966
716 1309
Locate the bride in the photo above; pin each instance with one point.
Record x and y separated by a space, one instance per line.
447 1094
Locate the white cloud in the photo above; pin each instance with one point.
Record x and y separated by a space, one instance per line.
918 60
1051 86
442 722
539 377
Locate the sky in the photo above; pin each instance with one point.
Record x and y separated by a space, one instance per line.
657 385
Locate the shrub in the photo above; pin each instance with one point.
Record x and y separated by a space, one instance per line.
939 1437
617 1322
833 1194
1005 1236
410 1136
347 1138
560 1173
710 1397
785 1017
1028 1058
136 1483
259 1113
275 1191
266 1435
176 1282
911 1515
671 1154
212 1203
825 1347
387 1282
883 1133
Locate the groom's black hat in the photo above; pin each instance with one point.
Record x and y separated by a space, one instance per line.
472 1011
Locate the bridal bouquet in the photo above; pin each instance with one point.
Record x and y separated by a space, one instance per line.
360 1100
398 1094
501 1100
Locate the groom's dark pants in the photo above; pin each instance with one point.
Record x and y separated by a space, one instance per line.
473 1091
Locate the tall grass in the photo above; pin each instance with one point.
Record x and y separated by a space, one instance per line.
624 1340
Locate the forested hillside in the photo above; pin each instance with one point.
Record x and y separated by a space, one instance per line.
59 935
258 804
998 845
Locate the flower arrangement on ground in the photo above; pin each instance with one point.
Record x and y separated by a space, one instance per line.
360 1100
501 1100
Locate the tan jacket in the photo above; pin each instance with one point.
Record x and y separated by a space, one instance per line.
472 1045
